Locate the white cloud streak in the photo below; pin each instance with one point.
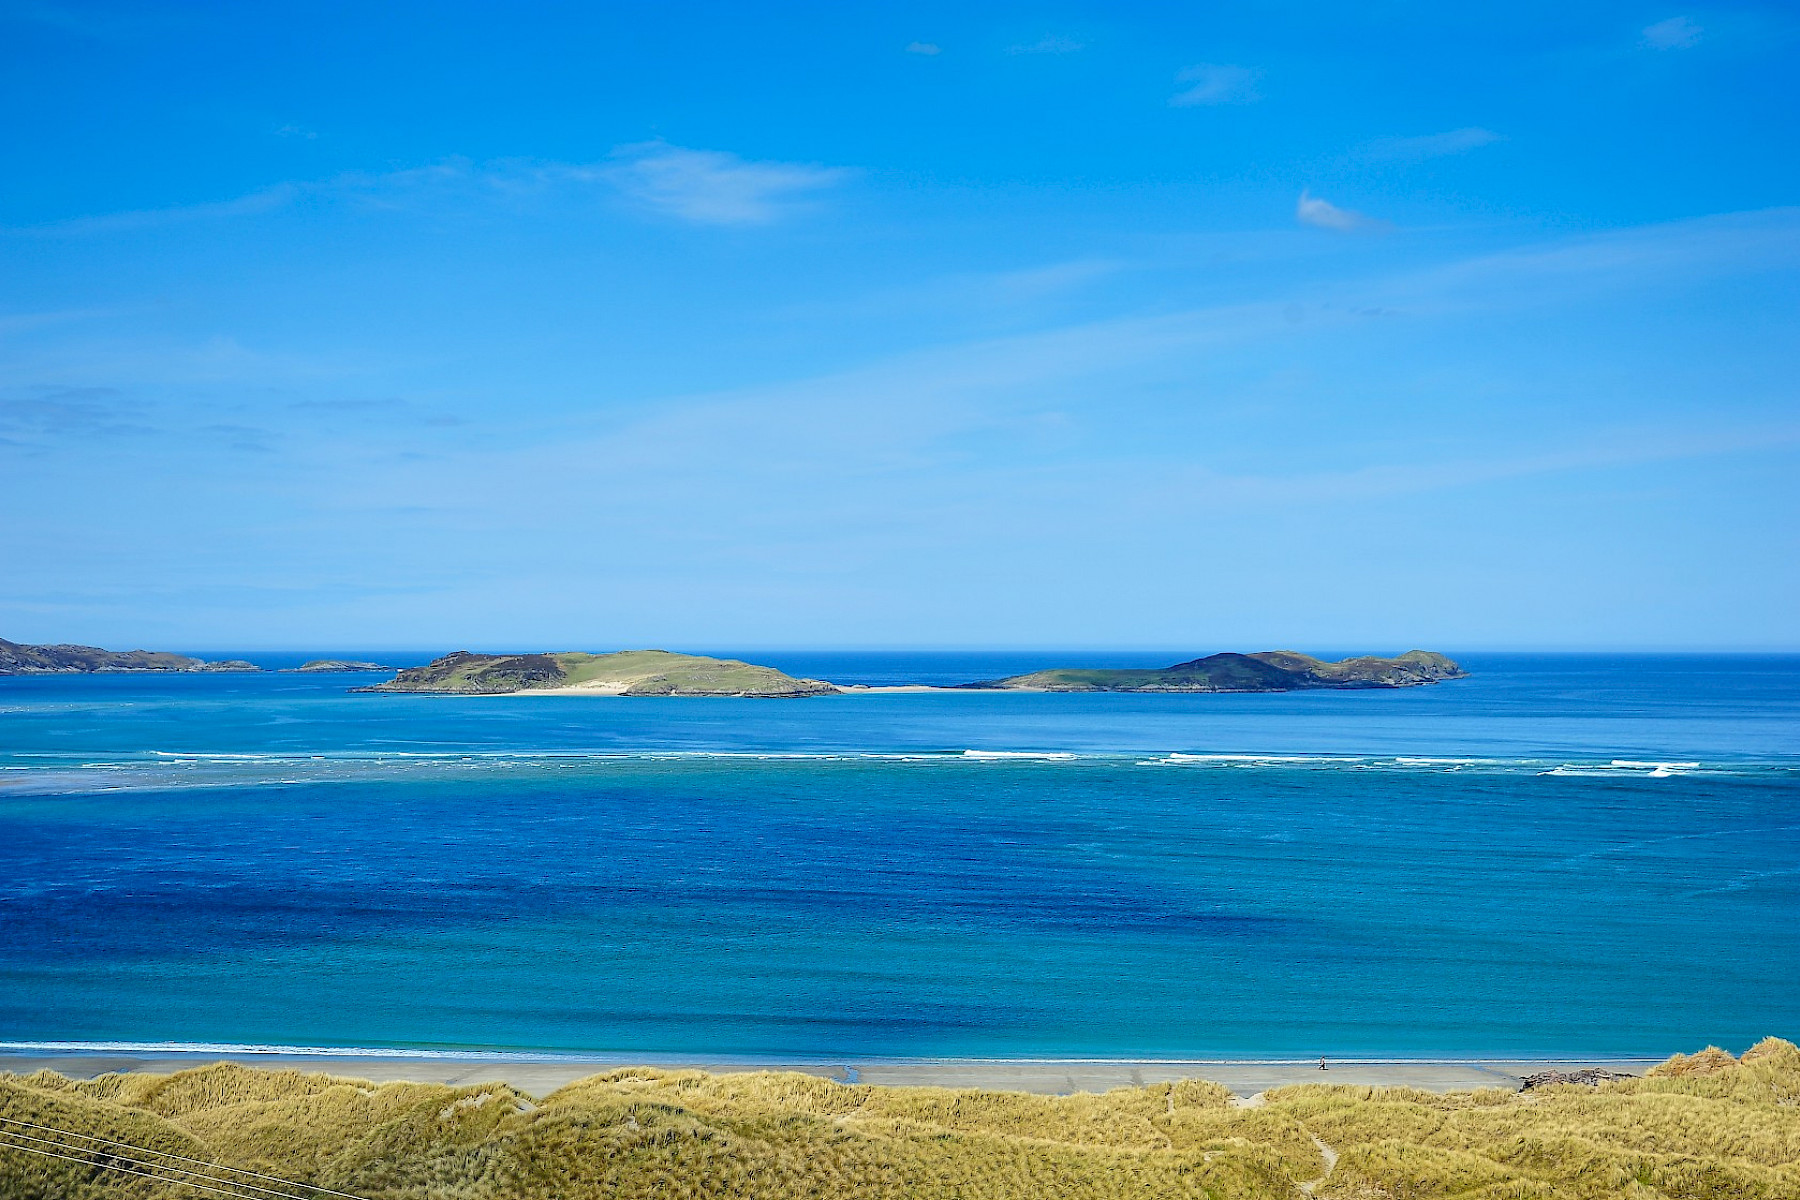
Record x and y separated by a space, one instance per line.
711 187
907 407
1322 214
263 200
707 187
1215 83
1431 145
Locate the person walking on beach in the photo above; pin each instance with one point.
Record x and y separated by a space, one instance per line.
1322 1065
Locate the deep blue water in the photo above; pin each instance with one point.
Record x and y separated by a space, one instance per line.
1559 855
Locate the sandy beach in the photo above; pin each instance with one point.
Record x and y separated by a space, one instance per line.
613 688
540 1076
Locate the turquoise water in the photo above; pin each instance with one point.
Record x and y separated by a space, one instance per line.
1560 855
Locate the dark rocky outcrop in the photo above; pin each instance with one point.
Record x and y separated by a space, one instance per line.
465 673
1586 1077
1269 671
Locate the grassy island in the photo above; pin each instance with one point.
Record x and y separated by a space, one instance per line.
627 673
1701 1127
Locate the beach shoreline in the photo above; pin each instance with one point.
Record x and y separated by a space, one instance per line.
541 1074
613 689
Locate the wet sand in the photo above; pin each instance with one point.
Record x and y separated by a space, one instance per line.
541 1076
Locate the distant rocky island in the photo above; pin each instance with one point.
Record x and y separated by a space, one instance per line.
662 673
331 665
627 673
17 659
1269 671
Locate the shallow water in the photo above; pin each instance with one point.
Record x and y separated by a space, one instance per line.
1560 855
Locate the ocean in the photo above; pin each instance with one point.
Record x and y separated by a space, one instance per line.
1559 856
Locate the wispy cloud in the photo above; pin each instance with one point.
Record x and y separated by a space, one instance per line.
1560 272
262 200
1034 283
1431 145
17 323
1323 214
38 414
925 48
291 130
247 439
1676 33
999 414
922 401
390 410
712 187
986 444
1048 44
1601 448
1215 83
704 186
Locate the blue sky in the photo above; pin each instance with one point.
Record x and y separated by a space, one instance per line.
1186 326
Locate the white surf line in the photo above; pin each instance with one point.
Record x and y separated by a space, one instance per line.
260 1051
648 1057
651 1057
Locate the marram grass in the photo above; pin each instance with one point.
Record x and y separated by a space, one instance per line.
1700 1127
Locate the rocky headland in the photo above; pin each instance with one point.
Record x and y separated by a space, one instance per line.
19 659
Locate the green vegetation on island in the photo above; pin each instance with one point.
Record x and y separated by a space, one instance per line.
1701 1127
17 659
1269 671
626 673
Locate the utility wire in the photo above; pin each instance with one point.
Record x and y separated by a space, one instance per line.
210 1166
106 1166
102 1155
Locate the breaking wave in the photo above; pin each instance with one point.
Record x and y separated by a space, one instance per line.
159 770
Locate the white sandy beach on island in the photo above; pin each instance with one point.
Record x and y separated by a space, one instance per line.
615 688
541 1074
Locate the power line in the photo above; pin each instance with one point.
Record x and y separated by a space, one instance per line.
237 1189
279 1195
106 1166
210 1166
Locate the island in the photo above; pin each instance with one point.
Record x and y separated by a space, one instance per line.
663 673
1269 671
18 659
332 665
625 673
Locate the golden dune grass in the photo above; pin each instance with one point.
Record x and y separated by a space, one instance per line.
1699 1127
